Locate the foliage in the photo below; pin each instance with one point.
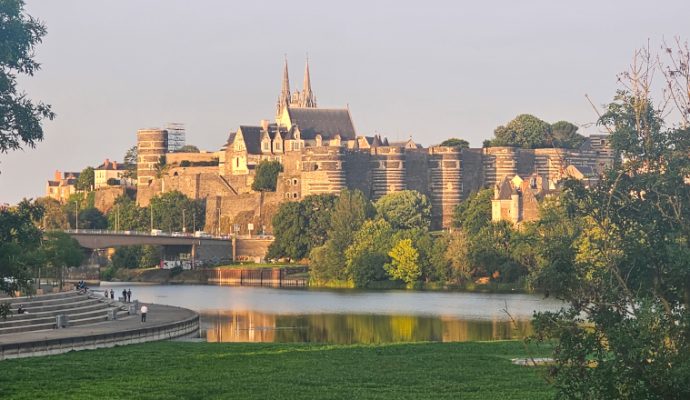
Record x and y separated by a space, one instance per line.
60 251
125 215
161 168
20 124
92 218
454 142
19 241
173 210
54 216
564 135
298 227
404 263
86 179
530 132
266 177
188 148
130 162
113 182
470 371
126 257
368 253
474 213
405 209
624 268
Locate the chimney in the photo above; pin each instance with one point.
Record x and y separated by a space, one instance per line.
264 124
58 175
115 165
106 163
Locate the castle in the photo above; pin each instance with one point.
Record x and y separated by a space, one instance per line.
321 152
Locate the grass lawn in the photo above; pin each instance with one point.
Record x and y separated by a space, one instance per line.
184 370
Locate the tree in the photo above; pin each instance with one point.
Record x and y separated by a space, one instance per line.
368 253
525 130
125 215
20 124
92 218
289 230
161 168
61 251
565 135
86 179
405 209
173 211
189 148
454 142
474 213
624 270
19 240
266 177
54 216
404 262
130 162
127 257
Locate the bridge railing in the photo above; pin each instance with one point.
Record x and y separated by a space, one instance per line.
164 234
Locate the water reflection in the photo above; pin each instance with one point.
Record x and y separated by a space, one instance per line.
251 326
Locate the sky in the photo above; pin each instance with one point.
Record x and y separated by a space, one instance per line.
428 70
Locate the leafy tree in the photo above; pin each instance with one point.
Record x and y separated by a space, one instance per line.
454 142
161 168
19 239
565 135
289 229
127 257
404 263
61 251
266 177
150 256
130 162
456 254
405 209
125 215
189 148
20 124
624 271
317 211
368 253
54 216
171 209
474 213
92 218
86 179
526 131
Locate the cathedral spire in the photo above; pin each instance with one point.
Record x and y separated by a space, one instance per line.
284 99
308 99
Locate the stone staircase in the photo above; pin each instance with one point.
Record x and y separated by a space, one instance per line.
42 311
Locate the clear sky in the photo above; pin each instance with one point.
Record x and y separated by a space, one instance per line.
430 70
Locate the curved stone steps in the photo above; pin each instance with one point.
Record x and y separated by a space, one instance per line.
35 309
40 301
42 297
48 323
52 313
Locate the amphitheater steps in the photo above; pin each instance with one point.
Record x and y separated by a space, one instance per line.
80 309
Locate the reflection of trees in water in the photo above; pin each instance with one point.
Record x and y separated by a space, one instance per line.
247 326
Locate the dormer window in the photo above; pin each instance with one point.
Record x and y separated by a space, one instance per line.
266 146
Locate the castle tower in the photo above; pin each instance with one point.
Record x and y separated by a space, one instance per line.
445 184
307 99
152 144
387 171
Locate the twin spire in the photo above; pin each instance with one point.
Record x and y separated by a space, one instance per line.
305 98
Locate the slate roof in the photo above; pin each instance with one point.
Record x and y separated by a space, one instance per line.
252 138
326 122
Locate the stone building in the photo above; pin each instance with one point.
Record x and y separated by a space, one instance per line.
62 185
321 152
110 173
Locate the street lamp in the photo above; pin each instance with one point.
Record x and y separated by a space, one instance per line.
184 223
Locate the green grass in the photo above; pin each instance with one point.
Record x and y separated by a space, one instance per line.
183 370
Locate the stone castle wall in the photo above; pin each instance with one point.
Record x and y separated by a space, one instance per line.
445 175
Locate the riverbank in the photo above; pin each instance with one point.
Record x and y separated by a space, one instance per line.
210 276
476 370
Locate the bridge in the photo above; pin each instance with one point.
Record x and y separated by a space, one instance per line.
202 247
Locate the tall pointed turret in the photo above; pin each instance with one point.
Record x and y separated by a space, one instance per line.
284 98
307 100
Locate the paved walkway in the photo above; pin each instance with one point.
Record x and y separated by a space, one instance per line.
158 315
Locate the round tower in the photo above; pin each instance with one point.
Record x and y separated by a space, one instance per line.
387 171
152 144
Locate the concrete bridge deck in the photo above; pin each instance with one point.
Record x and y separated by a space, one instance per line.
163 322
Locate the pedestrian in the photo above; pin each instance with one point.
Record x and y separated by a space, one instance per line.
129 295
124 295
144 310
112 294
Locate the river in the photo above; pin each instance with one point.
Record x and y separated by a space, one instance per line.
259 314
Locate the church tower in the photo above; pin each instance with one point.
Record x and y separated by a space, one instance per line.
307 99
284 98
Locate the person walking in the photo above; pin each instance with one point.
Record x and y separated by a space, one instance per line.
124 295
129 295
144 310
112 294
